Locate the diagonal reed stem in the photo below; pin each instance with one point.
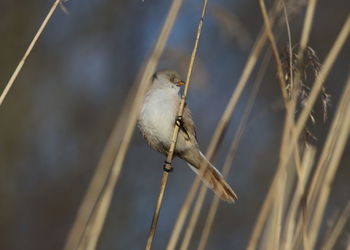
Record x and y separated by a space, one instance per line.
274 49
93 210
314 186
289 126
28 51
329 163
337 229
327 65
104 203
277 209
167 166
220 130
233 149
216 138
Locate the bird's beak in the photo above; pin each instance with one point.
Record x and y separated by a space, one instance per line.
180 83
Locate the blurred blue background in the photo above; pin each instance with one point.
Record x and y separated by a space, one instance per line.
56 119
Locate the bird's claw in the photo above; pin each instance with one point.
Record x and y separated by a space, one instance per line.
178 121
167 167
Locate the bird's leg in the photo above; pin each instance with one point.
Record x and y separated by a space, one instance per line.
180 123
167 167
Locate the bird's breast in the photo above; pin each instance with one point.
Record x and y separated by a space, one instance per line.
157 116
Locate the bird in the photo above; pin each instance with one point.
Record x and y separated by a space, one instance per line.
156 123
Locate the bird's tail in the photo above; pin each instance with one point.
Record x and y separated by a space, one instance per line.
212 178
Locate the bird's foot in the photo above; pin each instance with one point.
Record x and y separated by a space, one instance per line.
167 167
179 122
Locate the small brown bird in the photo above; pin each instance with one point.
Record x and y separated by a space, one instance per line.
156 123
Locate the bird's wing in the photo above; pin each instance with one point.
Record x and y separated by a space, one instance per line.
188 126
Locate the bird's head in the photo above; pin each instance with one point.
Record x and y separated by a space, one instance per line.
168 76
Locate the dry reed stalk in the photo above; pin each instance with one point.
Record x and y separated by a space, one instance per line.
316 87
230 156
293 93
232 151
100 175
144 83
295 82
200 198
299 126
278 212
92 230
167 166
280 189
329 161
340 40
285 13
307 162
219 132
182 215
318 83
309 16
28 51
337 229
194 218
289 124
330 59
264 212
274 49
96 220
275 200
214 205
267 204
266 234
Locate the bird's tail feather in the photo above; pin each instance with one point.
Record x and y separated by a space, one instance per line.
215 181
